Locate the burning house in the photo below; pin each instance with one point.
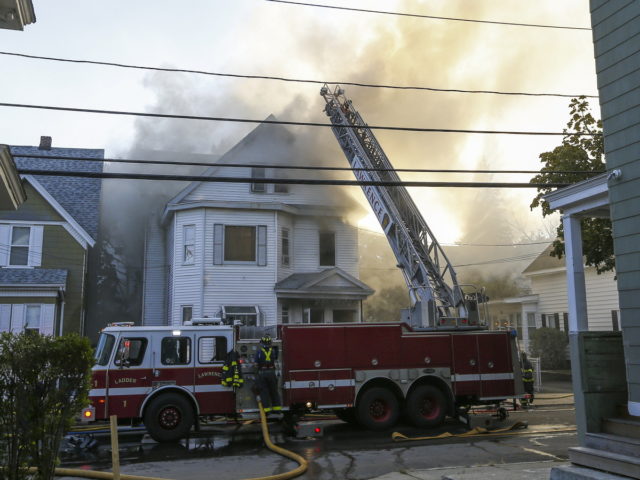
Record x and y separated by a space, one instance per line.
258 253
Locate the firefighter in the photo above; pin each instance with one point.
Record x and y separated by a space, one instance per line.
231 372
527 379
266 378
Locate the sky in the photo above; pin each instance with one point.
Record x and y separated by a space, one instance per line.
257 37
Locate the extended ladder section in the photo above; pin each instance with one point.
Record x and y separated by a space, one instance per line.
437 298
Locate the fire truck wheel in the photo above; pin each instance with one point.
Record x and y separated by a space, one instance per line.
426 406
377 409
169 417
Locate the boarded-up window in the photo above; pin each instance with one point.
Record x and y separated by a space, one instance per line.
327 249
615 324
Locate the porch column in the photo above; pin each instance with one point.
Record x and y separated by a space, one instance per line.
578 321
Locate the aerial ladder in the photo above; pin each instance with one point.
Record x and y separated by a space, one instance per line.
438 300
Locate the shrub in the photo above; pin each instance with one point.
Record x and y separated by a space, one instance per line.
44 383
550 345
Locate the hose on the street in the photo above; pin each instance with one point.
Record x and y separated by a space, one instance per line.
302 467
399 437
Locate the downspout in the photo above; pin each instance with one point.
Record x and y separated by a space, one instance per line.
276 262
203 255
61 312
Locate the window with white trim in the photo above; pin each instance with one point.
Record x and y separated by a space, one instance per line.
327 250
240 244
19 249
258 172
189 242
284 318
187 313
20 245
247 315
32 316
284 254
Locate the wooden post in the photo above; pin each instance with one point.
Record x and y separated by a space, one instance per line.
115 452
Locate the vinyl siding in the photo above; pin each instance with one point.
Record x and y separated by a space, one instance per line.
602 296
232 284
306 244
155 275
616 27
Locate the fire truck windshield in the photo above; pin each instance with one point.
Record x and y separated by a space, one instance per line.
103 350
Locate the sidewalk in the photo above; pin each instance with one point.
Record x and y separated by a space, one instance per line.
509 471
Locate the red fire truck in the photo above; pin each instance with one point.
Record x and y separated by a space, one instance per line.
370 373
438 358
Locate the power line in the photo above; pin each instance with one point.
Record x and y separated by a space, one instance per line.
433 17
285 181
292 80
298 167
282 122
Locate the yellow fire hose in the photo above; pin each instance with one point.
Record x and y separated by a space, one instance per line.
303 464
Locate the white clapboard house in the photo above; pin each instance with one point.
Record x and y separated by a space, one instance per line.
263 254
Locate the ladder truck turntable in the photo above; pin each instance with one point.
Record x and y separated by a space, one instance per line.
438 359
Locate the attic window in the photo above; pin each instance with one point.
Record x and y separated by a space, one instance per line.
258 172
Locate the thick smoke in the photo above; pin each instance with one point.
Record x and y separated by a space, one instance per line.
315 43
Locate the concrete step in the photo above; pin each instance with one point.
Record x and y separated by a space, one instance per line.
625 427
613 443
606 461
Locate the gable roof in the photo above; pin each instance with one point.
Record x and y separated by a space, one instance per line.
332 282
80 197
259 147
545 261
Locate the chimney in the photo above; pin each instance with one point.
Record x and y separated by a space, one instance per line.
45 143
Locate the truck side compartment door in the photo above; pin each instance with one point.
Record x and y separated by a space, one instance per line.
496 372
212 349
465 373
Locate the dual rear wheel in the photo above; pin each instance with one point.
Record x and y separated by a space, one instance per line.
379 409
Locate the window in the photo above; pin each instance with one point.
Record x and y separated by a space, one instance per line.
239 243
344 316
258 172
285 314
212 349
285 247
175 351
531 322
544 320
615 324
19 254
313 315
280 188
131 350
247 316
327 249
32 318
556 321
103 350
189 242
187 313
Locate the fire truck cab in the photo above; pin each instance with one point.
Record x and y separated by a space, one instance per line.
168 376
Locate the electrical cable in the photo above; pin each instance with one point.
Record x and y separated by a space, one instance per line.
300 167
291 80
285 181
283 122
433 17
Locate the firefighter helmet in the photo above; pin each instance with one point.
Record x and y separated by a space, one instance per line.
266 340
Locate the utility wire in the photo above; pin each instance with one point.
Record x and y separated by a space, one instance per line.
287 79
286 181
297 167
433 17
281 122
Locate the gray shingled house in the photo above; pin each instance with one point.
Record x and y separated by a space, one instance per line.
45 245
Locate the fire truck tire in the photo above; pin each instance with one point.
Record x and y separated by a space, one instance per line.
169 417
377 409
426 406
